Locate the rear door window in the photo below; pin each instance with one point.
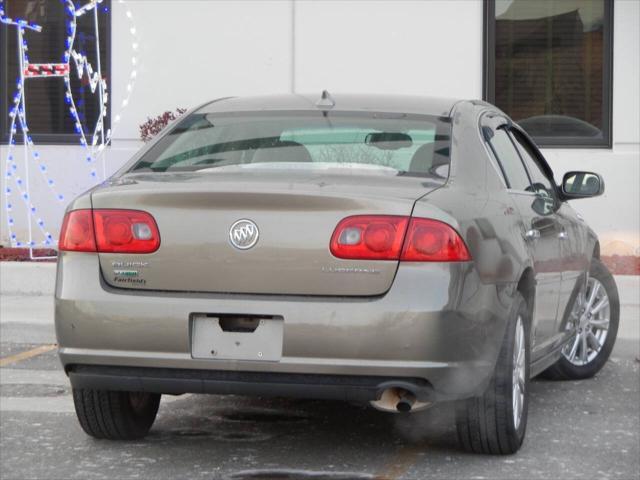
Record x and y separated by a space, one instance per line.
509 160
540 183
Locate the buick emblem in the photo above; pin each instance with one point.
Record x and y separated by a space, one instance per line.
244 234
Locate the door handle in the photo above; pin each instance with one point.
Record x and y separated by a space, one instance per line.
532 234
563 235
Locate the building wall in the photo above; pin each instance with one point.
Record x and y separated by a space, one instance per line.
192 51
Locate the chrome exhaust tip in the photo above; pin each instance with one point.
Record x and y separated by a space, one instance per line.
397 399
406 400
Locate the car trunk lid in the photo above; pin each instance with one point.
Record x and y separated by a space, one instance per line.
295 215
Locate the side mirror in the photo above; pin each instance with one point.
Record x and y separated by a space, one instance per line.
581 185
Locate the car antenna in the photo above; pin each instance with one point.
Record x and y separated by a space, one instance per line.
326 101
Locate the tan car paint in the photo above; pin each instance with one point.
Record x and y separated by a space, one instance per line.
442 323
295 213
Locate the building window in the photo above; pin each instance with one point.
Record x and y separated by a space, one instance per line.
548 65
47 106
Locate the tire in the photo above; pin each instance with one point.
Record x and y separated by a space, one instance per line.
115 415
564 368
487 424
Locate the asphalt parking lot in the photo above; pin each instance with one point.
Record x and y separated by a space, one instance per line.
582 430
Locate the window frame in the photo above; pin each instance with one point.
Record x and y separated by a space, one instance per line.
51 138
489 72
505 127
519 136
495 121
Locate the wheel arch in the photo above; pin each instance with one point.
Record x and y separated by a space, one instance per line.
527 287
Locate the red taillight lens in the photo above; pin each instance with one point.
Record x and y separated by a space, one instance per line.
382 237
77 234
109 231
125 231
433 241
369 237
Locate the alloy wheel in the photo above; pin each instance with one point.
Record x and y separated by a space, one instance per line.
591 316
519 370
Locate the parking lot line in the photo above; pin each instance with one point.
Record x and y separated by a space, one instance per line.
61 404
19 357
23 376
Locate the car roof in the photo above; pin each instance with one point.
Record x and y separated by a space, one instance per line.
411 104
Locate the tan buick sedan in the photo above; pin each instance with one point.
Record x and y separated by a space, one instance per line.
395 250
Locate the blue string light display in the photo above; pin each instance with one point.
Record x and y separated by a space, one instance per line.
93 141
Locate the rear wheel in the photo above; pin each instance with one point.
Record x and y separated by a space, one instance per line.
495 422
595 316
115 415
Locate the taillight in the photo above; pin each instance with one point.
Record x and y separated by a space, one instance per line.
385 237
77 233
433 241
109 231
125 231
369 237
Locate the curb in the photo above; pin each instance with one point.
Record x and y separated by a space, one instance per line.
27 278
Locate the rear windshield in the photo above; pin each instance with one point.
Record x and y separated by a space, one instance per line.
398 144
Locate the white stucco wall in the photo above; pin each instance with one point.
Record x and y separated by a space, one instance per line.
193 51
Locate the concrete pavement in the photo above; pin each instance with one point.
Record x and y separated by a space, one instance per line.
587 429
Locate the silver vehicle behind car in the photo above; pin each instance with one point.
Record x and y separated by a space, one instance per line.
394 250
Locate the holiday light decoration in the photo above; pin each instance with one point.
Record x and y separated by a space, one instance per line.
98 136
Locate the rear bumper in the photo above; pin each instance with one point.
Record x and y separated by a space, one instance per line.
358 388
438 328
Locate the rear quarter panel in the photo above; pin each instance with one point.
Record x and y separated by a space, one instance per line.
475 202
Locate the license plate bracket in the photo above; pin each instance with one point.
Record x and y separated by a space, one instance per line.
236 337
